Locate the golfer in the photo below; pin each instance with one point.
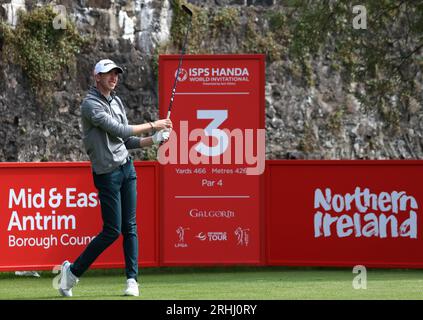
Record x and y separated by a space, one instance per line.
107 136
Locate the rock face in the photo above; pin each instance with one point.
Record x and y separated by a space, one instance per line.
319 121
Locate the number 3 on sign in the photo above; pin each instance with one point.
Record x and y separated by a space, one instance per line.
218 116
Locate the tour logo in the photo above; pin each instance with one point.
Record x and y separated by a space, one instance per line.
363 213
212 236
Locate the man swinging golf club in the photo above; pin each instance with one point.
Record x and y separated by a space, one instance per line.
107 136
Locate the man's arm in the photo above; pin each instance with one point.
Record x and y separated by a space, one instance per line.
158 138
146 142
100 118
136 142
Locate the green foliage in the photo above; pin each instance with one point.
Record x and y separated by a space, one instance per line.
384 60
334 122
155 63
255 42
277 21
179 23
212 29
308 141
224 21
383 57
42 51
151 153
201 26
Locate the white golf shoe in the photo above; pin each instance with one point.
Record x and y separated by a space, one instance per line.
132 288
67 280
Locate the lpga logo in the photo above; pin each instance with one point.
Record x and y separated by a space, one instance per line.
180 231
243 236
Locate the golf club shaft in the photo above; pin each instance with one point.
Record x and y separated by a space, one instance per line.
179 65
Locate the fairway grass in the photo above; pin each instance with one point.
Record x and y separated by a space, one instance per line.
231 283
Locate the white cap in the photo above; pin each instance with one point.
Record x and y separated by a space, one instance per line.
105 65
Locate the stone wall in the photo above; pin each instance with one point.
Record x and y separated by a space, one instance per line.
303 121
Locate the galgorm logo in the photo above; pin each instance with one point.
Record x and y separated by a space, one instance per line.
197 213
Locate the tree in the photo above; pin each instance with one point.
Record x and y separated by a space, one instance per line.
384 59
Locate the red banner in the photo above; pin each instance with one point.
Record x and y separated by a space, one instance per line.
344 213
211 178
50 212
318 213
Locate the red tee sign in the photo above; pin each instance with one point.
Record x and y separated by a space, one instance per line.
212 165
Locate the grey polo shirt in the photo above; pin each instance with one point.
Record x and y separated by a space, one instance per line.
107 136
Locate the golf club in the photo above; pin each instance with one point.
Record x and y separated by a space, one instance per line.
189 13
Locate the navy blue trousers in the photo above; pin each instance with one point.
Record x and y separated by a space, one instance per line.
117 192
